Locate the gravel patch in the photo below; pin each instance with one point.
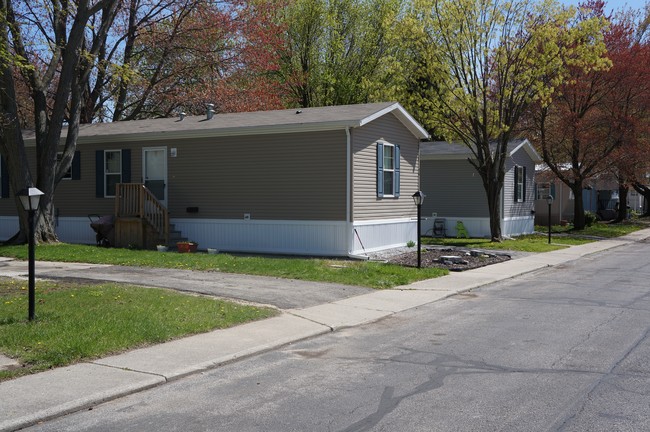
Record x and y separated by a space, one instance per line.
451 258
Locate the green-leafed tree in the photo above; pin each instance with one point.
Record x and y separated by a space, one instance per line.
340 51
477 65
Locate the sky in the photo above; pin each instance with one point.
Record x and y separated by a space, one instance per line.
615 4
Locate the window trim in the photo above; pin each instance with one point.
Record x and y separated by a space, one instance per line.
389 170
381 170
520 184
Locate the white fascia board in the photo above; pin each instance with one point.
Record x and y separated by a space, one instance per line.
528 147
406 119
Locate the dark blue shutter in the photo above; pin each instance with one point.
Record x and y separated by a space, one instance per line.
4 181
126 166
76 166
99 173
396 176
524 186
380 170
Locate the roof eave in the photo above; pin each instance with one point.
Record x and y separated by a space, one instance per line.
407 120
213 133
528 148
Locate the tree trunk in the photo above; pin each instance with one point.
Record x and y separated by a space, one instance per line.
645 191
578 206
622 203
493 195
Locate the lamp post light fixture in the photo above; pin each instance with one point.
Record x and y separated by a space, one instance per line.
30 199
549 200
418 198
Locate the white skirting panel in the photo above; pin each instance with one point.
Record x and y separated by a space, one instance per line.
518 225
326 238
370 236
476 227
8 227
68 229
75 230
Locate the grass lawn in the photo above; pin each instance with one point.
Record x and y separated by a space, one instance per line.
539 242
361 273
80 322
527 243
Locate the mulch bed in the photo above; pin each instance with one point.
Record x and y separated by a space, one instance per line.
451 259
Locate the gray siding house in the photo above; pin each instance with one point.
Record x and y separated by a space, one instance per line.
315 181
454 190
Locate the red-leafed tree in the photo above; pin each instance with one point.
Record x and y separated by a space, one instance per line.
597 116
217 52
628 108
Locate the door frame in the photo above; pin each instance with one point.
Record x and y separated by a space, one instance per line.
164 201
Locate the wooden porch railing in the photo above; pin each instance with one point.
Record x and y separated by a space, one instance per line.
135 200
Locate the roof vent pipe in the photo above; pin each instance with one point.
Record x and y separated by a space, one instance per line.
182 116
210 112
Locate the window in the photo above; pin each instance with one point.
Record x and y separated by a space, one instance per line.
543 190
389 169
112 171
68 173
388 173
111 167
520 184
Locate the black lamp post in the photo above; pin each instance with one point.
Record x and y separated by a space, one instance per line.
549 200
30 198
418 198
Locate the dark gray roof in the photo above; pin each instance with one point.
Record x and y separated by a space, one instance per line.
259 122
458 150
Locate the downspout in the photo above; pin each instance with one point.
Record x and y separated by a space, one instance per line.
348 197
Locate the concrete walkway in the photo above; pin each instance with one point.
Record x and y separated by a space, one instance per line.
27 400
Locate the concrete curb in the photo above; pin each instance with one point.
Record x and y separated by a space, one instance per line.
31 399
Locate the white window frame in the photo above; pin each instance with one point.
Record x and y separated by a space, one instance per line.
106 173
390 171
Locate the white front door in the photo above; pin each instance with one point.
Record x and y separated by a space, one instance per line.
154 169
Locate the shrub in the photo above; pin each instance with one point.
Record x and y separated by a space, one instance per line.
590 218
410 243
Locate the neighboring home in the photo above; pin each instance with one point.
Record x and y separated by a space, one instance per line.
315 181
454 190
600 196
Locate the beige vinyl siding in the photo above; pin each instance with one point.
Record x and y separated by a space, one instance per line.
510 207
366 204
273 177
453 188
77 197
74 197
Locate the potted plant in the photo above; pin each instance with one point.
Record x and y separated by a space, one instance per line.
186 246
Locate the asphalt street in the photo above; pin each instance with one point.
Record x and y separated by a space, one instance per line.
562 348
